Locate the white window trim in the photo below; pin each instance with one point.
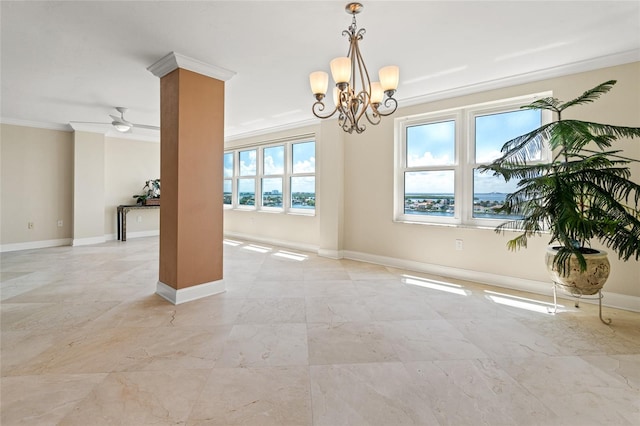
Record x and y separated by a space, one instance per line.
262 175
237 177
464 161
401 168
291 174
286 177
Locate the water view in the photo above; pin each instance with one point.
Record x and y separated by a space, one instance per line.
485 205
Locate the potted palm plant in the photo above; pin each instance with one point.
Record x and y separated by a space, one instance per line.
583 193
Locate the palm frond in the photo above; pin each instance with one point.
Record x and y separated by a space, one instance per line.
583 193
589 96
548 103
524 148
573 135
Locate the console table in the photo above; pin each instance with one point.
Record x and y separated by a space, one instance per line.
122 218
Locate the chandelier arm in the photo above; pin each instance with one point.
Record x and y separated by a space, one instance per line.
374 117
345 124
345 112
387 102
318 107
362 105
362 68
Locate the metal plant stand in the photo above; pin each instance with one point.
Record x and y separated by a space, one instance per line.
577 298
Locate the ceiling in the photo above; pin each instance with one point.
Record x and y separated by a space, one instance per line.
76 61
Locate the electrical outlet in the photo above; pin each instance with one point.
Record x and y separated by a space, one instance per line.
30 225
139 218
60 224
458 244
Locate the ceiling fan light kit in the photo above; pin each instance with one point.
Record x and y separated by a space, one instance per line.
355 95
120 123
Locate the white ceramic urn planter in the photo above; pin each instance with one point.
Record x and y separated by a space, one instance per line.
576 282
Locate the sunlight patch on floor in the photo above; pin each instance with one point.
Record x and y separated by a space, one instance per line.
435 285
291 255
521 302
256 248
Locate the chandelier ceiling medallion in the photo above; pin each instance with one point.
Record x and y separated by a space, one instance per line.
355 95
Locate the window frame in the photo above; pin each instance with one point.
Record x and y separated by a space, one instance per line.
238 177
465 158
229 178
282 176
261 174
293 174
401 155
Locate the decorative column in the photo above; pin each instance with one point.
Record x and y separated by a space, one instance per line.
191 171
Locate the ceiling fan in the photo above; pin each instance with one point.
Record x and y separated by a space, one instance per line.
121 124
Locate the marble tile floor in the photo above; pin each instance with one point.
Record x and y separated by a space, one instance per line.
298 339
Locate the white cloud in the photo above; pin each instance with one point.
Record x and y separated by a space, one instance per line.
440 182
428 159
306 166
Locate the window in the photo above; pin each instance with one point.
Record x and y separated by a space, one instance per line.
437 158
247 181
429 177
227 190
303 179
282 174
273 171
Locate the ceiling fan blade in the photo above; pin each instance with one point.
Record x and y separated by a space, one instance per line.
146 126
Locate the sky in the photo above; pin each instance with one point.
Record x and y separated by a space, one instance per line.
303 161
433 144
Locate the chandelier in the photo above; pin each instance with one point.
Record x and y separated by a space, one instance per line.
355 95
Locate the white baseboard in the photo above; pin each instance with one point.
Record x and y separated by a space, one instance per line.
35 245
613 300
190 293
331 254
88 241
135 234
271 241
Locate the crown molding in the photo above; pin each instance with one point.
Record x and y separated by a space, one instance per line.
89 127
174 60
107 130
274 129
36 124
136 135
614 59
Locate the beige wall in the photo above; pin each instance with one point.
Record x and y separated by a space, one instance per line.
300 230
88 188
129 164
354 213
36 184
369 172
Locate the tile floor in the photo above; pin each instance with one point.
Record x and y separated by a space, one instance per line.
298 340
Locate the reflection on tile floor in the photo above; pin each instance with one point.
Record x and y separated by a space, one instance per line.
298 339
